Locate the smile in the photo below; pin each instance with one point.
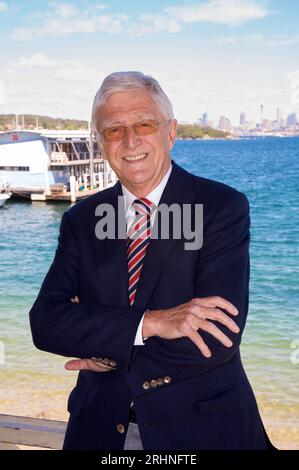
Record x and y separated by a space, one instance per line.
133 158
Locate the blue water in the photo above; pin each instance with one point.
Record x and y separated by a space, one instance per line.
266 170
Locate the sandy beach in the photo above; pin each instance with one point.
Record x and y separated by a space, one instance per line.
36 401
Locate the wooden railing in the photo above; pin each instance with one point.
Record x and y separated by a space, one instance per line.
21 433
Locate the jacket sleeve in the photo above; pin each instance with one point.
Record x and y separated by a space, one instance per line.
84 330
223 270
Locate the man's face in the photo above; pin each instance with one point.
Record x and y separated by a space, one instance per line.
151 152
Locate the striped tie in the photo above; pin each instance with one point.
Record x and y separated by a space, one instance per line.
138 239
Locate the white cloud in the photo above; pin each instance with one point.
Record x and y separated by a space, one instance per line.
228 40
264 94
69 69
66 19
100 6
277 40
3 7
281 40
74 71
293 76
258 38
36 60
66 10
193 89
231 12
150 23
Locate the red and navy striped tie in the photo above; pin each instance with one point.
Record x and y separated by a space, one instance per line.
138 239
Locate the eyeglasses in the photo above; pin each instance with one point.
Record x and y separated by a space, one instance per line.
146 127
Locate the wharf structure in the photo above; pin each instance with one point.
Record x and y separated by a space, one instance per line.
53 165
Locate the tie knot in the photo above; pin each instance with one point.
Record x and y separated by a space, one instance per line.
143 206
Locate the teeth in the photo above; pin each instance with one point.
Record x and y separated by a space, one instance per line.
139 156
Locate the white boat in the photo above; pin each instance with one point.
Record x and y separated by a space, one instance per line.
31 159
5 193
4 197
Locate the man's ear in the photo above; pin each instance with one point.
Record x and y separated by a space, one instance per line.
172 133
101 148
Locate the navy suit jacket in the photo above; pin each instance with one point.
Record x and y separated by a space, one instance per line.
203 403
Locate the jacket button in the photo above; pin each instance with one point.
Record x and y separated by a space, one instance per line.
160 381
112 364
154 383
146 385
106 362
120 428
167 379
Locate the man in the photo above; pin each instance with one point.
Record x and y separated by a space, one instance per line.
157 326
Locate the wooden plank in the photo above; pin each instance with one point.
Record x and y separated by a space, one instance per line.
5 446
66 196
35 432
56 196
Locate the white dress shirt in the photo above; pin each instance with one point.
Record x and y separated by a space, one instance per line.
154 196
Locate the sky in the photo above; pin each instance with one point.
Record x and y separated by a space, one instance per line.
216 56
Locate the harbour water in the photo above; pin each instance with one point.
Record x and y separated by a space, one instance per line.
35 384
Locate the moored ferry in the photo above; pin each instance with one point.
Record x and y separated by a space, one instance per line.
52 163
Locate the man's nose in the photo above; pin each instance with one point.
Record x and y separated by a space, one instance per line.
131 139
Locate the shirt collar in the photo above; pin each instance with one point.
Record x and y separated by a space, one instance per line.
154 196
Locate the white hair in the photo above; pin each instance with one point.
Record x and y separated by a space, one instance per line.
123 81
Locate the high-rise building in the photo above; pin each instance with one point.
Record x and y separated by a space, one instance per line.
266 124
224 123
243 119
278 116
221 122
292 119
262 114
205 121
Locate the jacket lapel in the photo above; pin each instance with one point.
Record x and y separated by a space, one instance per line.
113 256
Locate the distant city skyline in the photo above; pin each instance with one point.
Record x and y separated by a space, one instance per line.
224 122
289 122
217 56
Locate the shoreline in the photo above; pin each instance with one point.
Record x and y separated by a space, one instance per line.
238 137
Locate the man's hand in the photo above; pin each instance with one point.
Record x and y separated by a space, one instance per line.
87 364
186 319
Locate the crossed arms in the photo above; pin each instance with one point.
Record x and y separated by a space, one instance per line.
188 339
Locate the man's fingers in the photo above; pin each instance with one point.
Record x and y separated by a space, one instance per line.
216 332
76 364
217 301
215 314
199 342
86 364
218 315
